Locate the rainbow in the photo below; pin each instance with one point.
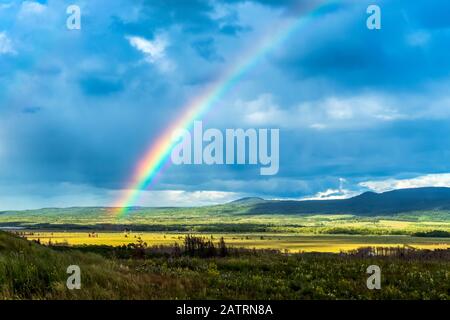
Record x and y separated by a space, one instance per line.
157 156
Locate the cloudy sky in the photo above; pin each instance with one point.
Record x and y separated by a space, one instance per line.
357 109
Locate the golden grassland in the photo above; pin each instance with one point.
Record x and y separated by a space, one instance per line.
296 233
280 241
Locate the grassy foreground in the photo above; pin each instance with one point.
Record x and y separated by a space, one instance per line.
32 271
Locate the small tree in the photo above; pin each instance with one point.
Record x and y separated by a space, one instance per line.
223 250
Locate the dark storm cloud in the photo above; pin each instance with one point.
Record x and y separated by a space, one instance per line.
404 53
83 107
207 50
100 86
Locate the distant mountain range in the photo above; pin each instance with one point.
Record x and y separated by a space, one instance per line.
368 203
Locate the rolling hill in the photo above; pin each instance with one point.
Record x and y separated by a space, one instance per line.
250 214
368 203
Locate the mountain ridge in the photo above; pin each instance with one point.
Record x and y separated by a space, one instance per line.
367 203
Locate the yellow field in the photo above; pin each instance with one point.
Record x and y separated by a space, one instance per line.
291 242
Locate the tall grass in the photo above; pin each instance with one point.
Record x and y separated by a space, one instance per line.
31 271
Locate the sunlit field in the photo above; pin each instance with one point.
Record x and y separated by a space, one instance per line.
279 241
223 218
165 226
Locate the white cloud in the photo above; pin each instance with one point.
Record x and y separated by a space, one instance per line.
182 198
64 195
31 8
429 180
6 46
330 112
331 194
418 39
358 111
154 51
357 108
261 111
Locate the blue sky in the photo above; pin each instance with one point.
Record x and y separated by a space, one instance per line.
357 109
